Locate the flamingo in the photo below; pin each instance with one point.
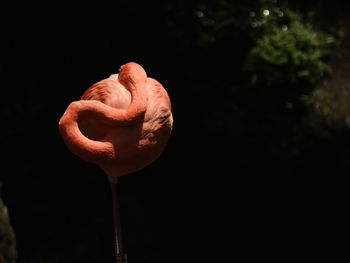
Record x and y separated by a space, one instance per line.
122 124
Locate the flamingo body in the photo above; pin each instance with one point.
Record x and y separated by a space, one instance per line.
121 123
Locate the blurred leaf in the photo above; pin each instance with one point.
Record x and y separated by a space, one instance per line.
289 56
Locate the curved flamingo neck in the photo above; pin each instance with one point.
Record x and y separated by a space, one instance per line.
134 79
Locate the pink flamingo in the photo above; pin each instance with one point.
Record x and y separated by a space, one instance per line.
121 123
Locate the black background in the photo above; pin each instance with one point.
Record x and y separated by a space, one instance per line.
214 194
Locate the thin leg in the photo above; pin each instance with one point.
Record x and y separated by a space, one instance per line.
119 249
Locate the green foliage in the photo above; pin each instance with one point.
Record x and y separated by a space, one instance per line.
278 63
284 50
287 54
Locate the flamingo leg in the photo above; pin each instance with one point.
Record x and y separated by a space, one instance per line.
119 249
